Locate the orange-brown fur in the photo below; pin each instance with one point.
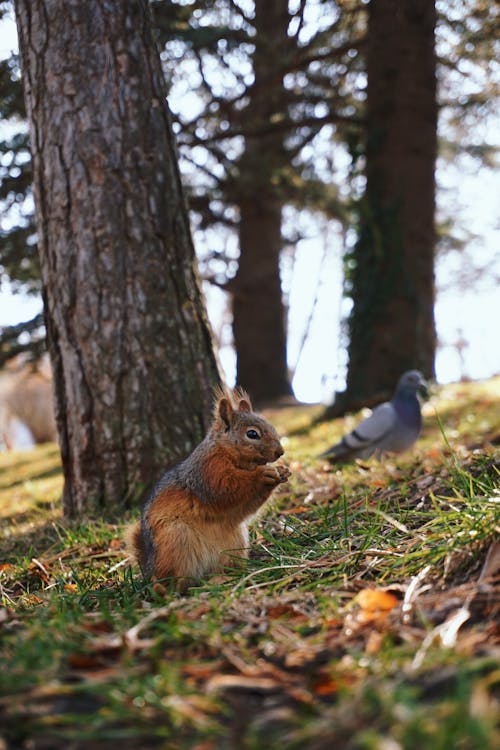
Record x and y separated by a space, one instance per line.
197 520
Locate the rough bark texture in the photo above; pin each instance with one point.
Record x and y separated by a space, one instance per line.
130 345
259 325
392 324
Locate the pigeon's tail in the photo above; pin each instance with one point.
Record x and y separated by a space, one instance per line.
340 452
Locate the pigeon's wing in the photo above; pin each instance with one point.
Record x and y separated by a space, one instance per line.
374 428
364 439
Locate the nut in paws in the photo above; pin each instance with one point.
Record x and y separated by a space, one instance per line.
284 472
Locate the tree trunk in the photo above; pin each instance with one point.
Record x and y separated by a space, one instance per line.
259 326
392 284
128 337
258 313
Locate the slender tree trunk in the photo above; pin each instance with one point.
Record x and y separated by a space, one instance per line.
259 326
392 286
129 341
258 313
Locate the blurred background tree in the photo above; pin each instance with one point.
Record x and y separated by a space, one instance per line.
390 271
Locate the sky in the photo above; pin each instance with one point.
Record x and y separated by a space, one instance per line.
467 314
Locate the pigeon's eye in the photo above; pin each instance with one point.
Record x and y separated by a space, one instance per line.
253 435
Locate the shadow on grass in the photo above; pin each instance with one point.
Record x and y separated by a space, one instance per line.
33 477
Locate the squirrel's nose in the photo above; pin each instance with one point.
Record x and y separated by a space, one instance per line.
278 452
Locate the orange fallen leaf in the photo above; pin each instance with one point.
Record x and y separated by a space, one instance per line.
6 566
294 511
375 599
325 685
333 622
84 661
34 599
434 453
377 483
374 605
72 587
279 610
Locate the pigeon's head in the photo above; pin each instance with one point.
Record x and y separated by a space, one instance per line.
410 383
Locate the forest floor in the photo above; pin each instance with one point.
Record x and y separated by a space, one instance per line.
367 616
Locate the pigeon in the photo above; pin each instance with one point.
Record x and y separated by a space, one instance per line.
392 427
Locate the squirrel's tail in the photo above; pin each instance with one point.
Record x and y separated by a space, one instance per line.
135 543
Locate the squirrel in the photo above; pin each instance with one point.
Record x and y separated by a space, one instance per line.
195 521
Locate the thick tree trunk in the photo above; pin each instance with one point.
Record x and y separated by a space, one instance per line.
127 331
259 326
392 323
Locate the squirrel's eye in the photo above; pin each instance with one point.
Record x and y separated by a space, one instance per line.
253 435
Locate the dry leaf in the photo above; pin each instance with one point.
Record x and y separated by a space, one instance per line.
373 606
448 631
37 568
106 644
84 661
197 612
302 655
375 600
434 453
323 494
325 685
97 626
492 563
72 587
236 681
294 511
425 481
34 599
376 484
373 642
333 622
203 671
279 610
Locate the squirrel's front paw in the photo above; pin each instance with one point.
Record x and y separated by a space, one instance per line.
275 474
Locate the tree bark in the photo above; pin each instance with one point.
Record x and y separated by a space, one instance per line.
392 284
127 331
259 325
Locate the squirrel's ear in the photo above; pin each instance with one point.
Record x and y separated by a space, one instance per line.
244 405
225 412
242 398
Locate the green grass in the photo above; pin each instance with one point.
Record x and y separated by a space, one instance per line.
287 652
